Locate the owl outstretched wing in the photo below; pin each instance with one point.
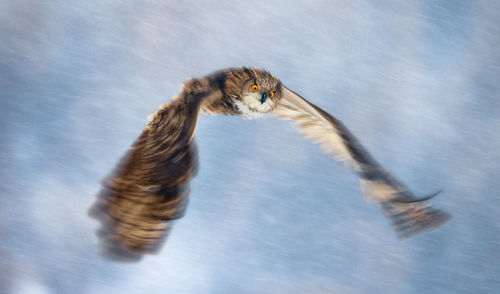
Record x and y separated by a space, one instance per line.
408 214
148 190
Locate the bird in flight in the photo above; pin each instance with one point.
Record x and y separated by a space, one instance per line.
149 188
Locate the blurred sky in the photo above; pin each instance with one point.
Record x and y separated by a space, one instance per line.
416 81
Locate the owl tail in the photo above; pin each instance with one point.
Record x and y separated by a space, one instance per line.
412 219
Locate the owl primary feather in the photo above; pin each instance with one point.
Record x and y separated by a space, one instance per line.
149 188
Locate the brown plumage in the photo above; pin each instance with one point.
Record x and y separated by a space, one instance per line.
149 189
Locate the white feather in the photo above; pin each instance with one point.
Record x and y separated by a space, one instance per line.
250 107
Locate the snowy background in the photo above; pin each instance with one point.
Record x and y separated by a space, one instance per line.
416 81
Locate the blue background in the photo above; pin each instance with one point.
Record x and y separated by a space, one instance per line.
416 81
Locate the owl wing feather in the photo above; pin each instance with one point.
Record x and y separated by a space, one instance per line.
148 190
407 214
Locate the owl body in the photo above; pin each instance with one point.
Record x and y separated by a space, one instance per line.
149 189
235 95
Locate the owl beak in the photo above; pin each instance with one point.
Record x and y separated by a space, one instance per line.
263 98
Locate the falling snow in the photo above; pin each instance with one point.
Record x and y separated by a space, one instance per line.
416 81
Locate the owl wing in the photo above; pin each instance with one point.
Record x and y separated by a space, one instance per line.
408 214
148 190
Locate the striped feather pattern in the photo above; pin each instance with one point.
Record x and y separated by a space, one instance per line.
148 191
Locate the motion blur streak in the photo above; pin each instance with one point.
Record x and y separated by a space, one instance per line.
416 81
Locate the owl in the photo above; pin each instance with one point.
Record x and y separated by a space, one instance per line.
148 190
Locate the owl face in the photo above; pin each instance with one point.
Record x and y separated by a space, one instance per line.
260 94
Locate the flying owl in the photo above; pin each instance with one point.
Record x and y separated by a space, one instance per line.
149 188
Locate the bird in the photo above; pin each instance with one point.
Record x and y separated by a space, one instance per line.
148 190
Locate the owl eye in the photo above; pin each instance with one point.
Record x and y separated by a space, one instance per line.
272 94
255 88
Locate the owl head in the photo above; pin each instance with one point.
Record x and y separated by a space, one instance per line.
259 92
